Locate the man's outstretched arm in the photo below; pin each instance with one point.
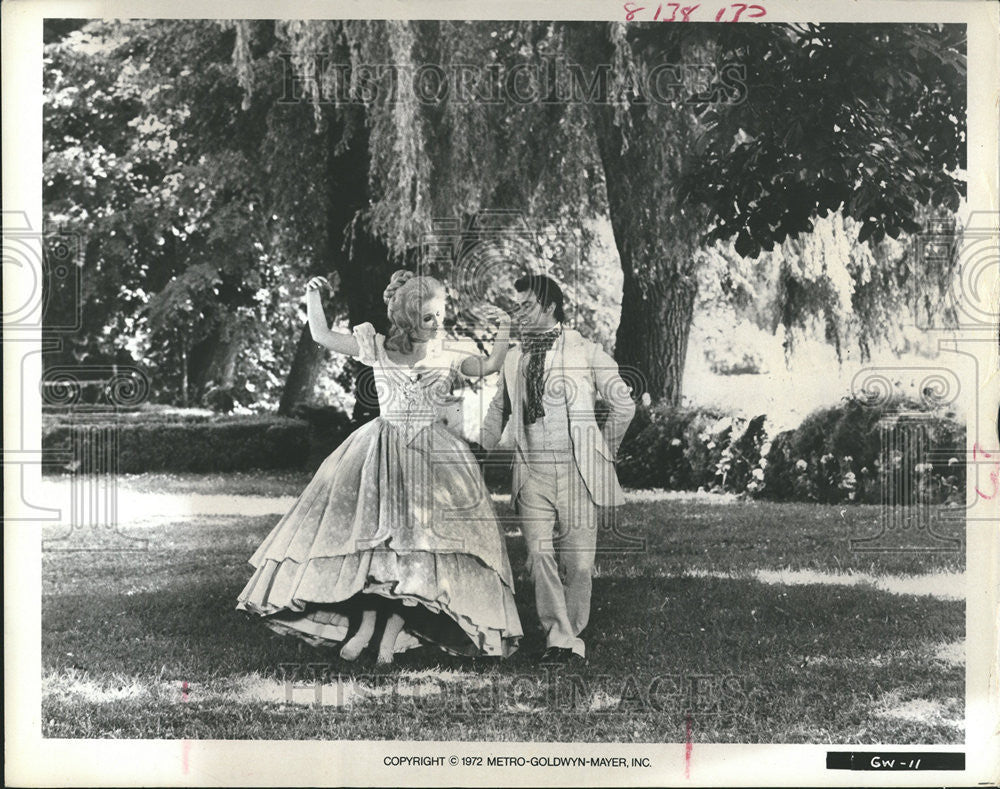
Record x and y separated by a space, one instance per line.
492 427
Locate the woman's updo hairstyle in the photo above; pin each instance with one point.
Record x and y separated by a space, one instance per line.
398 279
404 297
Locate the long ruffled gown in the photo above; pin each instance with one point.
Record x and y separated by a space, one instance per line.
398 510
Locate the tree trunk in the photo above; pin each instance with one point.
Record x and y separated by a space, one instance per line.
657 246
361 263
657 240
644 151
212 361
301 380
652 340
185 383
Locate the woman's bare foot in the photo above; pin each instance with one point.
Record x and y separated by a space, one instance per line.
387 646
355 646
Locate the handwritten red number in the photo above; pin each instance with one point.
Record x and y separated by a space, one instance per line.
685 12
755 12
631 9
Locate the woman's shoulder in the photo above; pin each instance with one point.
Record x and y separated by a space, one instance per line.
364 330
457 349
371 344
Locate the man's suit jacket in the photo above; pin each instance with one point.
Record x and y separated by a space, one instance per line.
576 370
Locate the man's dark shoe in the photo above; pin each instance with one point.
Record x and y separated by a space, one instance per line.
558 656
561 656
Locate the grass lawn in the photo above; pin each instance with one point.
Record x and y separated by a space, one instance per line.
149 645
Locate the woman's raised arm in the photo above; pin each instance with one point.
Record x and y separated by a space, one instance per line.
338 341
479 366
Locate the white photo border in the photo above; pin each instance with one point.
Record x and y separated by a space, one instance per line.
32 760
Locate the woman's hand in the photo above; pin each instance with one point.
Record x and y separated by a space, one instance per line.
496 315
501 317
477 367
318 284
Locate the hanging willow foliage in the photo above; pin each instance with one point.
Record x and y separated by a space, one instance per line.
821 121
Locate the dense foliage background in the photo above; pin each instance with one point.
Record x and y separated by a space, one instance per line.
205 170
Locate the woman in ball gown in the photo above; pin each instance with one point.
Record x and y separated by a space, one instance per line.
397 524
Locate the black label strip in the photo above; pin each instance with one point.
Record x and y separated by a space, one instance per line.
891 761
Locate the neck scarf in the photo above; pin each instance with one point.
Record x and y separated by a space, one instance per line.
536 345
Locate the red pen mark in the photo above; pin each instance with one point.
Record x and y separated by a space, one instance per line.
685 12
675 12
631 9
994 472
995 479
185 750
184 690
688 747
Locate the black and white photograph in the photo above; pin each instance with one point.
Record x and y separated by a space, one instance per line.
500 394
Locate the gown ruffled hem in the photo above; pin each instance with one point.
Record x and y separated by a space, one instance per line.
317 600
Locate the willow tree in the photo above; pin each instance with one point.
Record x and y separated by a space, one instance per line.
280 151
867 123
790 123
175 194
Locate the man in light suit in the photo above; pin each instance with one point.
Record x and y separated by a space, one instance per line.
563 462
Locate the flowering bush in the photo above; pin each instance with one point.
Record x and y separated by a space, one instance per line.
836 455
691 448
653 454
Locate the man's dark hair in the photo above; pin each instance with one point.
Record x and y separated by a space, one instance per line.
546 290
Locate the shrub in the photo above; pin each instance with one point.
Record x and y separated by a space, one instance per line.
219 399
209 444
836 455
690 448
741 457
652 452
